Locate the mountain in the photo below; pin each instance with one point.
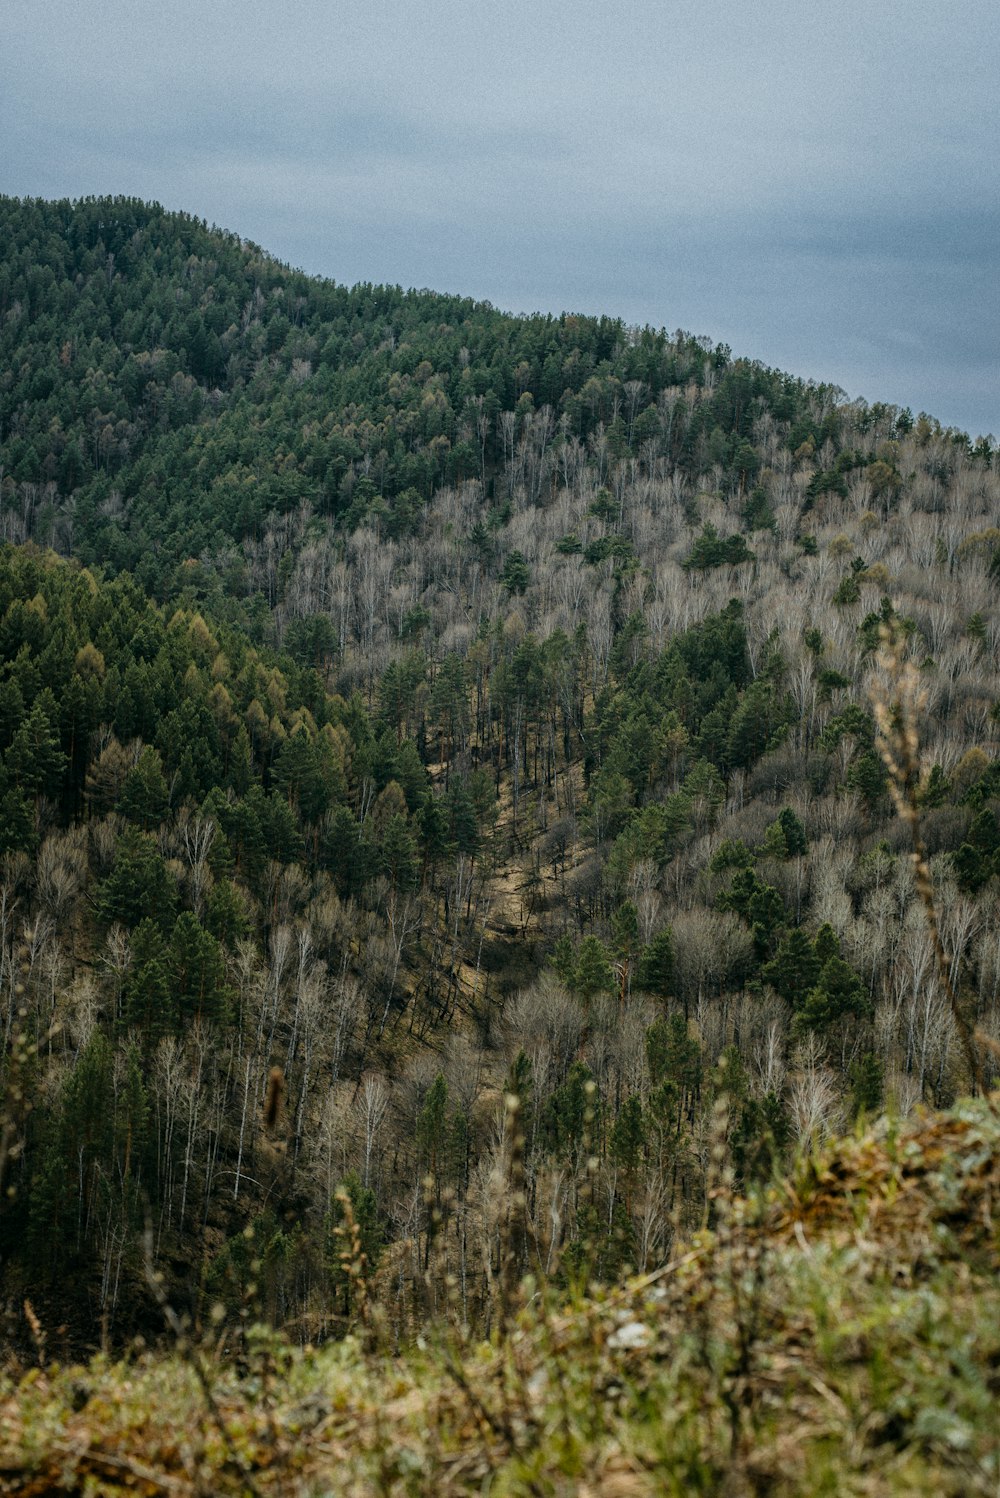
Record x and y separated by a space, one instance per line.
404 707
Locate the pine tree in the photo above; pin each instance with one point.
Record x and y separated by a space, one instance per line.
656 965
794 968
144 798
592 972
839 992
139 883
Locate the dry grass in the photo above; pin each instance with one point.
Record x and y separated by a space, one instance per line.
840 1336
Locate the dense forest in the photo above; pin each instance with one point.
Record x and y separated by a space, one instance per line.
439 779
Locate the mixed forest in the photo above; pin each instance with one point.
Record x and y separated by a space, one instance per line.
440 796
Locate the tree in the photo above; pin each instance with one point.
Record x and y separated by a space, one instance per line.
656 965
197 972
144 798
17 822
432 1128
754 724
34 762
673 1053
838 993
794 968
138 884
516 574
826 944
562 959
592 971
867 1083
398 857
710 550
571 1111
434 831
761 1132
78 1152
760 905
628 1133
355 1244
978 857
148 1001
786 837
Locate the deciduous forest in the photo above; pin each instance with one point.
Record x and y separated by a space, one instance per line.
440 781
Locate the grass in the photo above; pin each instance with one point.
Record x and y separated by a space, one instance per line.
840 1335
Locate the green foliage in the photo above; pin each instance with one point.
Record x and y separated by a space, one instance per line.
794 968
34 763
937 789
440 1134
139 882
17 823
355 1245
849 588
757 514
628 1135
571 1115
593 972
854 722
977 859
655 973
625 929
760 905
674 1056
710 550
785 837
838 994
145 798
197 968
761 1133
730 854
759 1334
867 1084
149 993
123 379
584 967
871 627
867 775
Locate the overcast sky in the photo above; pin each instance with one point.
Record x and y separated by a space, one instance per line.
815 184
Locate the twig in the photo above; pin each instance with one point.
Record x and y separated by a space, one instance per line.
671 1268
95 1461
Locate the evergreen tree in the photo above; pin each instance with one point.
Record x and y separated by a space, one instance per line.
656 965
138 884
794 968
34 763
837 994
149 999
144 798
592 971
197 972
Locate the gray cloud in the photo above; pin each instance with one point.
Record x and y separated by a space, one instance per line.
813 185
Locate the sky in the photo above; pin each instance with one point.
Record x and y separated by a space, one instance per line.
815 185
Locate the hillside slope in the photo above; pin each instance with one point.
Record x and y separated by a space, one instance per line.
403 705
842 1336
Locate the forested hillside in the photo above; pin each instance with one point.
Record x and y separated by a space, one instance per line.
405 708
